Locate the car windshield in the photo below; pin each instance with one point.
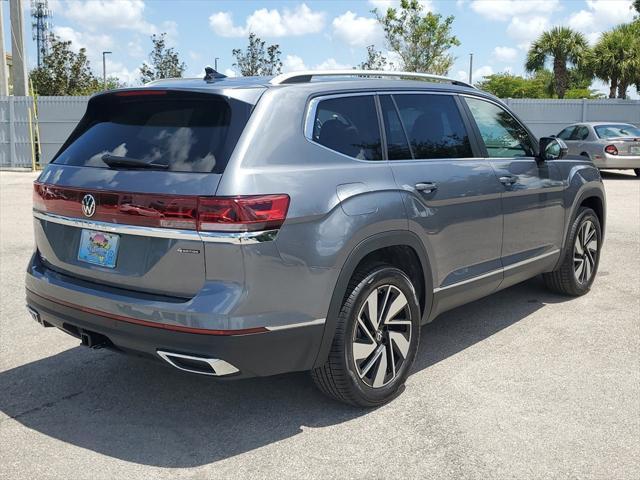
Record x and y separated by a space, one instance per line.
612 131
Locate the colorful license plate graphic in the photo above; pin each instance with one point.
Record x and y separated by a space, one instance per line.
98 248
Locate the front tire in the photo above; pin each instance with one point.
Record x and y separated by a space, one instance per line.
575 275
376 339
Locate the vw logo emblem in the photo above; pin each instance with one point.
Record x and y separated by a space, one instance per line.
88 205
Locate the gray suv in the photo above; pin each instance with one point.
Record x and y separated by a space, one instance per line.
310 221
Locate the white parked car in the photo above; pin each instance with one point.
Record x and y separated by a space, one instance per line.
607 144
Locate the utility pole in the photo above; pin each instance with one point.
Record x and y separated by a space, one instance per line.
215 63
104 68
17 49
4 78
471 69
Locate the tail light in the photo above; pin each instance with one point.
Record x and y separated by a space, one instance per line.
229 214
611 149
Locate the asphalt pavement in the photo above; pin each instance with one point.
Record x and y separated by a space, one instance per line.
521 384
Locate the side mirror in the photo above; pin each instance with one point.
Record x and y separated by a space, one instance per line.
552 149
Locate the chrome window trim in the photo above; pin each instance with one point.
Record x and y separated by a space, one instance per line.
496 272
238 238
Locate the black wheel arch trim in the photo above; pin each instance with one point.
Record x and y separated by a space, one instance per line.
364 248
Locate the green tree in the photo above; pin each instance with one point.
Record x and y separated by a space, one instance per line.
636 6
64 72
616 58
561 45
422 40
538 85
256 60
375 60
165 61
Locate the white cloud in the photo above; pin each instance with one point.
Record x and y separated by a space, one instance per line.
601 14
356 31
526 30
482 72
383 5
505 54
230 73
134 49
119 70
293 63
94 44
270 23
332 64
96 14
506 9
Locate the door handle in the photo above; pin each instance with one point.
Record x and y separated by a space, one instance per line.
508 179
426 187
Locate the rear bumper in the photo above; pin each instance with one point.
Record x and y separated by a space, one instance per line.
256 354
618 162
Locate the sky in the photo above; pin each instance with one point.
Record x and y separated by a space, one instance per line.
312 34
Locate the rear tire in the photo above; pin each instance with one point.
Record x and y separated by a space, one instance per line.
637 172
575 275
376 339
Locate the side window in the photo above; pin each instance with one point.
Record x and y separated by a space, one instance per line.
503 136
581 133
397 145
349 125
434 126
566 133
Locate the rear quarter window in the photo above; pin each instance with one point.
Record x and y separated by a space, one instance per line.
189 132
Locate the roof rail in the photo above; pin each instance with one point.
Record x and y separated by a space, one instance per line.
305 76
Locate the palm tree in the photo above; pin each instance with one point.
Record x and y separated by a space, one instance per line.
616 58
563 45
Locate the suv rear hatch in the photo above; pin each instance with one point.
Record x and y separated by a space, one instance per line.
119 203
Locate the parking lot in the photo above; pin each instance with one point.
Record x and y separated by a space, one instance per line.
522 384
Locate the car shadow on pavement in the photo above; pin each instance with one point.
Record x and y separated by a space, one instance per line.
619 175
143 412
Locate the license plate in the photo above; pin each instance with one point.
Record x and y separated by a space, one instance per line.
634 150
98 248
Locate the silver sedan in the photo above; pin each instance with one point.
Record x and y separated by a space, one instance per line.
607 144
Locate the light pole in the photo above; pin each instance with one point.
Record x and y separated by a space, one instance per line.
471 68
215 63
104 68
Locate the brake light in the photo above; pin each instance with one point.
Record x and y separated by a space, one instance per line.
611 149
230 214
242 214
136 93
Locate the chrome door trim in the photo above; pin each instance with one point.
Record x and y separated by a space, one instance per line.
242 238
498 271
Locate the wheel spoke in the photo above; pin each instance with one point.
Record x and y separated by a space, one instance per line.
398 304
366 330
579 250
579 269
381 371
401 342
363 350
372 309
372 362
592 246
587 269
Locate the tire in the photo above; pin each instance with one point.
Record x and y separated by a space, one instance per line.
354 372
575 275
637 172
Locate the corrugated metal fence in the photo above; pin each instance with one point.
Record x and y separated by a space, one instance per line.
57 116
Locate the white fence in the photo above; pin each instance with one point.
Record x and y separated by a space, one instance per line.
57 116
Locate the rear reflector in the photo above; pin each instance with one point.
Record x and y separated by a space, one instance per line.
229 214
611 150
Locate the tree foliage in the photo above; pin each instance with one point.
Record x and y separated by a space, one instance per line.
538 85
562 46
616 58
375 60
164 61
64 72
256 59
422 40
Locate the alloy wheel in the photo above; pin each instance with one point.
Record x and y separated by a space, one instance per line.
382 336
585 252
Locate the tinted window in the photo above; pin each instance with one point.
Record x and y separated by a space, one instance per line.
434 126
188 132
397 145
503 136
566 133
349 125
612 131
580 133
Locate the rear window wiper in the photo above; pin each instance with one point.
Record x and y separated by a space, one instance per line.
118 161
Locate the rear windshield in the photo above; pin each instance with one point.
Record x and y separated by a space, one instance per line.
189 132
613 131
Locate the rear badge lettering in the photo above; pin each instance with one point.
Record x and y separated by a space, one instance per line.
189 250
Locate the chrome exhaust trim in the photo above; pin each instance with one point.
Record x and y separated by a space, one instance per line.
216 367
